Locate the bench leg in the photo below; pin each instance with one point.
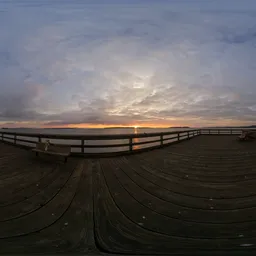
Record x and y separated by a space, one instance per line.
66 159
36 153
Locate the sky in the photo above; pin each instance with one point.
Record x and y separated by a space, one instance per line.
124 62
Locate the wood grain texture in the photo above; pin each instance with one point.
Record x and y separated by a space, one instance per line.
193 198
46 206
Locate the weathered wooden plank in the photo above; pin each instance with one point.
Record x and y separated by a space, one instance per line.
158 204
134 204
47 214
205 173
128 236
35 202
31 188
170 195
163 224
72 232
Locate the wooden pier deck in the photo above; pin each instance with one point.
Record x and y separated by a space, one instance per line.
195 197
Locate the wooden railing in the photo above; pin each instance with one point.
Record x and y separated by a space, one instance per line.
112 144
101 144
223 131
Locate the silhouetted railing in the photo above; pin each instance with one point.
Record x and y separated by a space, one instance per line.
101 144
223 131
117 143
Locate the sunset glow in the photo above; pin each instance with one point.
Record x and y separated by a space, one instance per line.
127 63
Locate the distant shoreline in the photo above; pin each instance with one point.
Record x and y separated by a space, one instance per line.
105 128
129 127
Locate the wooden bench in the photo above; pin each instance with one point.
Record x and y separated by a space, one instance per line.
247 135
53 149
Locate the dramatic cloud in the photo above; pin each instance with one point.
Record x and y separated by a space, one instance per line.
128 62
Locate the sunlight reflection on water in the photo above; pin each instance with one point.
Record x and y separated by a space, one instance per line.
134 130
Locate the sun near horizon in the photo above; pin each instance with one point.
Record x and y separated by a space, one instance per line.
38 125
155 64
81 126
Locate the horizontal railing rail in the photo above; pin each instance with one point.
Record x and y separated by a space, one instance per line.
223 131
101 144
115 143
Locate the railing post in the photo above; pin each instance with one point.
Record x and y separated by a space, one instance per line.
161 139
231 131
82 145
218 131
209 131
130 144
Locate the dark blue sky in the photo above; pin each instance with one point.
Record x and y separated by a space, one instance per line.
127 62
